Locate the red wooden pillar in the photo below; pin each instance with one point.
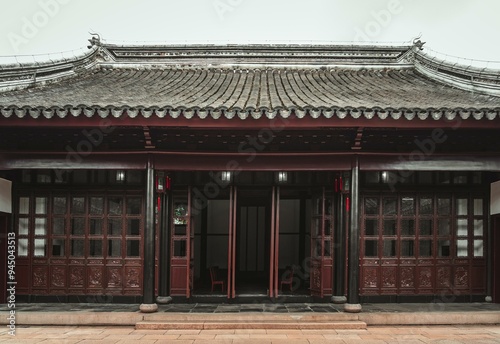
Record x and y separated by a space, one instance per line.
274 252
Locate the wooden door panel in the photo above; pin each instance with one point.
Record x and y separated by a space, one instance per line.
95 277
315 276
58 277
327 276
178 280
114 277
181 259
133 277
317 239
407 277
322 220
40 277
77 277
425 278
443 277
370 277
23 278
69 251
461 277
389 276
426 258
478 278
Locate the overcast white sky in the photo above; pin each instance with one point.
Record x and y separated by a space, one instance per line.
466 28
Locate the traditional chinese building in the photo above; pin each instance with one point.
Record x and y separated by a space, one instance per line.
351 173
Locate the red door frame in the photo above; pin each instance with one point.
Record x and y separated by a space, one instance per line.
274 249
274 252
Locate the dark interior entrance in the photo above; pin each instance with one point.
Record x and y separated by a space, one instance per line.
258 241
252 242
252 230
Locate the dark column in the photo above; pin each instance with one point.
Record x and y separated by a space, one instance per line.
352 304
339 244
489 249
204 273
302 231
148 303
164 263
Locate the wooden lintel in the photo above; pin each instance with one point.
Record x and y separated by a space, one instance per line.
262 123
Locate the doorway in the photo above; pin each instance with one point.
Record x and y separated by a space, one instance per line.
267 241
252 242
284 242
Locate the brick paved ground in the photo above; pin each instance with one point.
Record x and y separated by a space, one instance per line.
407 334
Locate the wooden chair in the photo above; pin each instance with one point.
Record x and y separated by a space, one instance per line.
215 279
287 278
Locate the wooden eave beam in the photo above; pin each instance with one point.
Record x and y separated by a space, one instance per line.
210 123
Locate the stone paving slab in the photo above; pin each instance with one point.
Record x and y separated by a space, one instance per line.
372 314
434 318
375 334
74 318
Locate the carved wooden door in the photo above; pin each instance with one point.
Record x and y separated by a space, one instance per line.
182 256
321 265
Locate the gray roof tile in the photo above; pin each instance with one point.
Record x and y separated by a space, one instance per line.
257 89
281 78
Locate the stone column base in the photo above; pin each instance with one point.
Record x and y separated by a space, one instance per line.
148 308
488 299
339 299
352 308
163 299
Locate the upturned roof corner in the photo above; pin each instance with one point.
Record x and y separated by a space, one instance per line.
396 81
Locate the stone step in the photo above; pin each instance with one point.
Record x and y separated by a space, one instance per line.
250 320
251 316
266 325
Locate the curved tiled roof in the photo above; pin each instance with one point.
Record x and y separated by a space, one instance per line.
114 87
251 89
